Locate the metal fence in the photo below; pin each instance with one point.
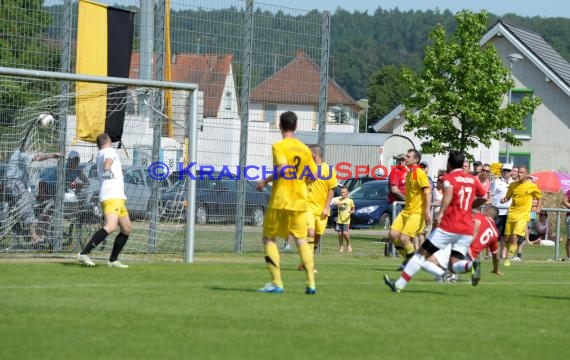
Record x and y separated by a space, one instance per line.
556 217
251 61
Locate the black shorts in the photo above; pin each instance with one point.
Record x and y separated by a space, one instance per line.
501 222
342 227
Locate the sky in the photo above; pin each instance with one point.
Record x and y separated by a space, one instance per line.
529 8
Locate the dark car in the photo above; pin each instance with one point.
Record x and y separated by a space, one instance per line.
216 201
352 183
138 189
371 203
80 202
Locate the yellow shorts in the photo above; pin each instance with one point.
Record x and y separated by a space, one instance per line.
317 223
281 223
516 227
114 206
409 224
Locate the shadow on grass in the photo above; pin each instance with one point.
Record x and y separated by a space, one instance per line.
565 298
222 288
431 292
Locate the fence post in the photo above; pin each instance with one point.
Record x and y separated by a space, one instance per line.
247 56
65 66
557 245
156 101
324 77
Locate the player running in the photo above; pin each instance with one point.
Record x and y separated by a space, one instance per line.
454 224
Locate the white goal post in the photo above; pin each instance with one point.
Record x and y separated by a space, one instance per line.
191 113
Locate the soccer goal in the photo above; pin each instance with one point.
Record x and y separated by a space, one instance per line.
49 204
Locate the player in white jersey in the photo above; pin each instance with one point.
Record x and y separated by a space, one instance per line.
113 202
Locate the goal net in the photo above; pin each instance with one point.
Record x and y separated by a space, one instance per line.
50 206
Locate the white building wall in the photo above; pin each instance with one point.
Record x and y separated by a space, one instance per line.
307 117
548 145
482 153
229 101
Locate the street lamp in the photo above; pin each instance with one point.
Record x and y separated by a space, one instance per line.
513 58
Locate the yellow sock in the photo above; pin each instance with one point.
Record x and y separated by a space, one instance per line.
311 242
306 254
512 250
409 251
272 259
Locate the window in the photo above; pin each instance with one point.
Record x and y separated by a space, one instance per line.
269 113
516 96
133 177
93 172
228 100
517 158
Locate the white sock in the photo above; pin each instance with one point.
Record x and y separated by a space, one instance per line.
412 267
462 266
433 269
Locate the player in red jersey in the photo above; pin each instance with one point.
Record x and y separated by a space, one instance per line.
461 191
486 235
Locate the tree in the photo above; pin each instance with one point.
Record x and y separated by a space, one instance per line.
385 91
23 44
457 99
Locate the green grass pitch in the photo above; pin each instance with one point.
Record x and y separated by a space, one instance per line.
210 309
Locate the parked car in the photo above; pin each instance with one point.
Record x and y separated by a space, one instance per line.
138 189
371 203
216 201
80 202
138 185
352 183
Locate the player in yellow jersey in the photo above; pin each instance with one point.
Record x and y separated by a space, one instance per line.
411 221
522 191
286 213
320 194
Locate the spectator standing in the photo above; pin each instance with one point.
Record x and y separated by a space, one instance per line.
17 177
397 186
346 208
466 166
397 182
477 168
498 191
515 173
484 179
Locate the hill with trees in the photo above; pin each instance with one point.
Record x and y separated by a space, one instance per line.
368 51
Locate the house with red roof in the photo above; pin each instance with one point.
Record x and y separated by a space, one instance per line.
215 78
296 87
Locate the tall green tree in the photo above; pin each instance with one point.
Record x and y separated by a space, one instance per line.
386 90
457 100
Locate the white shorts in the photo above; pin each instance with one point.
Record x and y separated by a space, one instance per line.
442 256
459 242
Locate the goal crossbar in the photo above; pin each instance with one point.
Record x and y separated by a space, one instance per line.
190 131
52 75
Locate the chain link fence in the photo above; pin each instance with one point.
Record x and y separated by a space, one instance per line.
250 61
